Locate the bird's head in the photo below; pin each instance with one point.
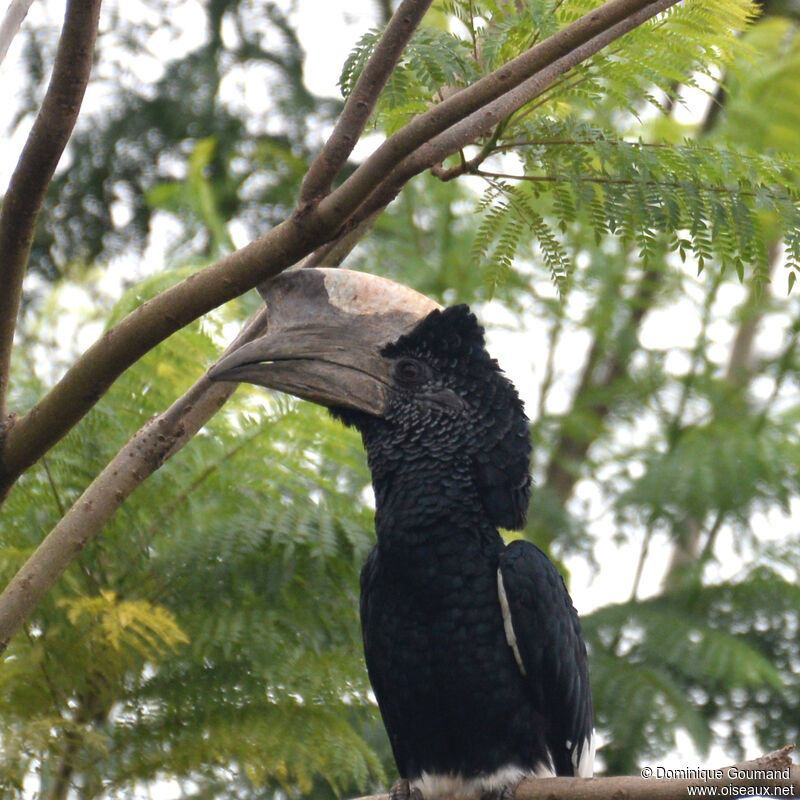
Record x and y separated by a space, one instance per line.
413 377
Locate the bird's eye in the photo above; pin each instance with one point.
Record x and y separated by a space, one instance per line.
409 371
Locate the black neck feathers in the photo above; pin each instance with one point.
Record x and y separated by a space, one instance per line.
454 438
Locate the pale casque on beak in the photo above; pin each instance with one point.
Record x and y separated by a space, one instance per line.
326 330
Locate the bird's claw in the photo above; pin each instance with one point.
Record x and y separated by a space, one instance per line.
506 793
401 790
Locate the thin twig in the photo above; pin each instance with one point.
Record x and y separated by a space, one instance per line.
607 180
519 143
637 578
470 166
53 487
711 539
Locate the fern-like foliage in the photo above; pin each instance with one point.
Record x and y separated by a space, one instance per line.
509 218
724 467
690 658
354 64
214 622
677 48
708 203
546 166
432 61
107 623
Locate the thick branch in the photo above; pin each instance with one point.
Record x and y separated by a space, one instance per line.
43 148
157 440
29 437
482 121
32 435
334 252
362 100
747 777
482 96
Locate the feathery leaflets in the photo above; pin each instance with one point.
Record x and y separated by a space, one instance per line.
214 625
709 202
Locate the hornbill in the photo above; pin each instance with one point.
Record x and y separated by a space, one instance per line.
473 647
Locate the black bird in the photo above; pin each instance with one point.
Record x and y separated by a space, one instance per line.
473 647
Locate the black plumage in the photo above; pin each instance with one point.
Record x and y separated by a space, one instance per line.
473 647
449 461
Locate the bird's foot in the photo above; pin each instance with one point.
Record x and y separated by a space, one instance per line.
401 790
506 793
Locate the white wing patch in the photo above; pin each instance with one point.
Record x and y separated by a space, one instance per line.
508 626
584 766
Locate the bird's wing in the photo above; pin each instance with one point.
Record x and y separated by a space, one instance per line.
544 634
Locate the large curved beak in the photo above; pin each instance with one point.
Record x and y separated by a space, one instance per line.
326 330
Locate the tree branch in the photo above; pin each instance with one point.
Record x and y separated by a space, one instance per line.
45 144
438 146
156 441
334 252
17 11
597 179
29 437
774 772
483 104
361 102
